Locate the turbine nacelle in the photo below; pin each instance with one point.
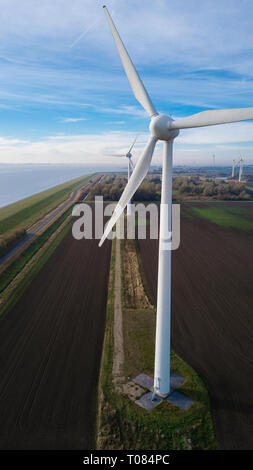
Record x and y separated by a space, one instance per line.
161 127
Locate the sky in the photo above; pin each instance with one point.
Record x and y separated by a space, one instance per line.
64 97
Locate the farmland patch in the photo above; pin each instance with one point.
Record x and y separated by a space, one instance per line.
226 216
212 322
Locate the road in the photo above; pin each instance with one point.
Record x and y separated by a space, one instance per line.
40 225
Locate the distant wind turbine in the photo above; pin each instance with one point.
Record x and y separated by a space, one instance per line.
128 155
214 161
166 129
241 169
234 164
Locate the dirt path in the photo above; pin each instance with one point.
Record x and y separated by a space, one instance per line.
135 296
118 353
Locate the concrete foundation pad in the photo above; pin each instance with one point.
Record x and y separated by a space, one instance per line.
146 381
146 401
175 398
176 380
180 400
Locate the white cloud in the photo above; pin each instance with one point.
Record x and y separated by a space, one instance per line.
88 149
134 111
73 119
92 148
213 135
8 142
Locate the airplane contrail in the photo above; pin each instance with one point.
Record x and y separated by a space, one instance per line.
87 30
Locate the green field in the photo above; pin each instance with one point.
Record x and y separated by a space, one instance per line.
23 212
227 216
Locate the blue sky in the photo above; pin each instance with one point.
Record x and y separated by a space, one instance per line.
64 96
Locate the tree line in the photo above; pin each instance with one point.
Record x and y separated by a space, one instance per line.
184 187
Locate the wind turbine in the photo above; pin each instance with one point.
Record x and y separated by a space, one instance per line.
128 155
241 167
166 129
234 164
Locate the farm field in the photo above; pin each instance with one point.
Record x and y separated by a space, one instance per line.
50 348
228 215
212 321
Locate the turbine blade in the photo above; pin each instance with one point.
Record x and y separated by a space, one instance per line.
136 84
134 141
213 117
131 163
137 177
114 154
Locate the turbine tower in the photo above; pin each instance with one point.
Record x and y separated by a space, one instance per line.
163 128
130 166
241 168
213 161
234 164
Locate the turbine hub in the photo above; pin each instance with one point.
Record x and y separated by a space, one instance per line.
160 127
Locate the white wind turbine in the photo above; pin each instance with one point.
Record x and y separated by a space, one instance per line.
130 165
241 168
166 129
234 164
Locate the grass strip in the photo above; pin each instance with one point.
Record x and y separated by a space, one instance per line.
10 240
166 426
229 217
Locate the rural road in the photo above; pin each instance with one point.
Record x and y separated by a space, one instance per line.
212 320
40 226
50 351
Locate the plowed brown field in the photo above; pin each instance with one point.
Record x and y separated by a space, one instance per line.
50 349
212 317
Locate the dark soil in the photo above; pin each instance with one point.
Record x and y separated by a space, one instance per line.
212 317
50 351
